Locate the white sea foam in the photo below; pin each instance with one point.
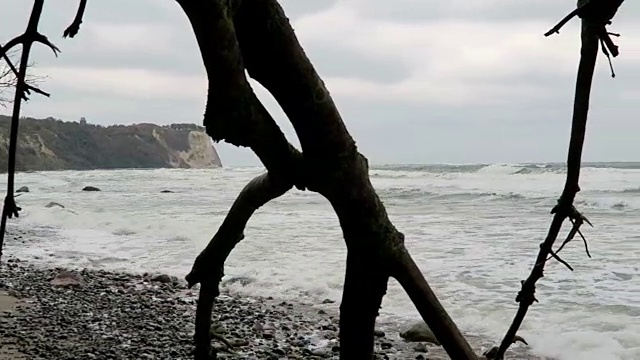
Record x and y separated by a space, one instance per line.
473 230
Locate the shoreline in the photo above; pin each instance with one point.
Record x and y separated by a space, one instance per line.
62 313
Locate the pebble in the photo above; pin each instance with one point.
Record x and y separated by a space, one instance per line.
108 315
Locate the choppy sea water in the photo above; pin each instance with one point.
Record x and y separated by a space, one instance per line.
473 229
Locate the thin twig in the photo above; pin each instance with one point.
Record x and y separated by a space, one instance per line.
584 240
29 87
556 29
555 256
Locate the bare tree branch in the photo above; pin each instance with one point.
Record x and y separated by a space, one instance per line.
9 78
274 57
208 268
595 14
10 208
27 39
73 29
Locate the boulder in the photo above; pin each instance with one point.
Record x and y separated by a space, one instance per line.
162 278
52 204
23 189
90 188
166 192
419 332
67 278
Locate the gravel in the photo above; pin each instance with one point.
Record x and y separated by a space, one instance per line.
56 313
95 314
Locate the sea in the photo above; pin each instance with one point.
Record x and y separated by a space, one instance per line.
474 230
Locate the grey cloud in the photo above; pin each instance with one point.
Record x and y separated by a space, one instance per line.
487 10
58 15
515 129
429 10
338 61
295 8
183 58
388 133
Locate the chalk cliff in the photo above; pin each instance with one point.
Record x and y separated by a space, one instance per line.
52 144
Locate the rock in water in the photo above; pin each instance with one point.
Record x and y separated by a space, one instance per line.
23 189
52 204
90 188
67 278
242 280
419 332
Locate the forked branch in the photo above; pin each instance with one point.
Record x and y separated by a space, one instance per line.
233 111
274 57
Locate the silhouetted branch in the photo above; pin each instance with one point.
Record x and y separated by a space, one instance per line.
593 22
73 29
44 40
426 302
208 268
556 29
9 79
599 13
31 35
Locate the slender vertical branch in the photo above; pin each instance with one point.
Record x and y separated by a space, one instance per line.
28 38
564 209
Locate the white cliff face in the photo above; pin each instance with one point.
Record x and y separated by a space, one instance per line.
200 155
56 145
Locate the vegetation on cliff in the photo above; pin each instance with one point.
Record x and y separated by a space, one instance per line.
52 144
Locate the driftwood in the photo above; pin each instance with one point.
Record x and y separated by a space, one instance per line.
256 36
595 14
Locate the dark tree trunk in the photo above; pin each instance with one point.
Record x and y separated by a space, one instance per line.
256 36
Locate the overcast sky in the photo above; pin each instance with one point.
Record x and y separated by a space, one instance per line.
417 81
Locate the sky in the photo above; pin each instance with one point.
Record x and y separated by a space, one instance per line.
416 81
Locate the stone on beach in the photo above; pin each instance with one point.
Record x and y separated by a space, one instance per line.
126 316
67 278
419 332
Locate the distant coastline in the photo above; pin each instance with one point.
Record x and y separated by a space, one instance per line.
52 144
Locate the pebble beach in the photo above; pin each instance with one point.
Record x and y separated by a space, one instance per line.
56 313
